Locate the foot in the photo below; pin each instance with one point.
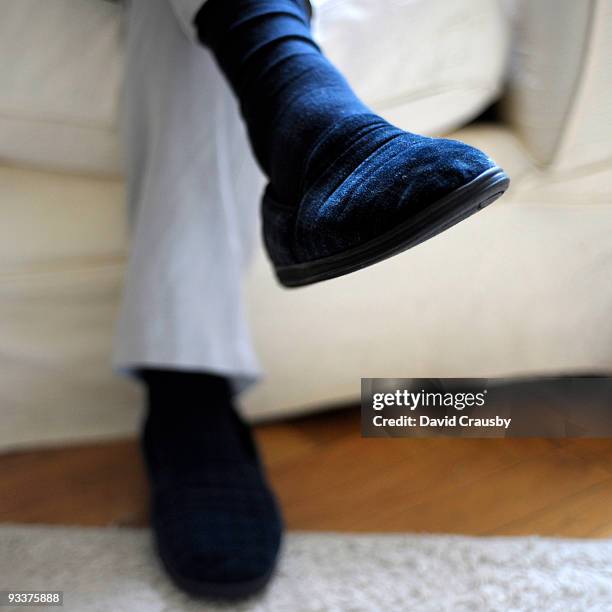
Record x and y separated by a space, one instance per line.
370 191
216 522
346 189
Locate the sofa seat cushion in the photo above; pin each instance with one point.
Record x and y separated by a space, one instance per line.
58 222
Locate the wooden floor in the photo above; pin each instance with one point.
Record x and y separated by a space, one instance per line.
329 478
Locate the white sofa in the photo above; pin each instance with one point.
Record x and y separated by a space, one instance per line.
523 288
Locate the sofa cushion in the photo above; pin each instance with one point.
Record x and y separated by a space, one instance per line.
559 97
59 84
428 65
55 221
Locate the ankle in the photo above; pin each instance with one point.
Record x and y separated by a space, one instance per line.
165 386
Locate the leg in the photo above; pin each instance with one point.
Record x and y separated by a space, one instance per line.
191 186
192 192
346 188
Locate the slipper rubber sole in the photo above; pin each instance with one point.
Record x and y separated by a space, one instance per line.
433 220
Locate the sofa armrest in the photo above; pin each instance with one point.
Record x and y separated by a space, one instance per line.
559 100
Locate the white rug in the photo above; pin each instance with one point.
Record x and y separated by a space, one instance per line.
115 570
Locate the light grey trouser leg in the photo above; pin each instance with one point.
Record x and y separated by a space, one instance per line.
193 193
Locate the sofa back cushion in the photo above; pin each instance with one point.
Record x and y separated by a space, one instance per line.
559 97
59 84
427 65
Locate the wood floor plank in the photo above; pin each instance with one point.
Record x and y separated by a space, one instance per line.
377 478
100 484
505 495
593 449
587 513
328 477
283 443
